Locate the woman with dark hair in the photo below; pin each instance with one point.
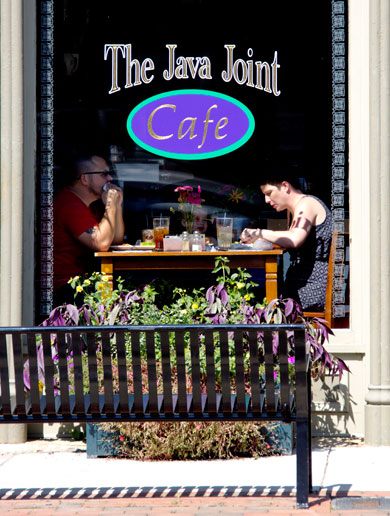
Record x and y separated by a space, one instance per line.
308 240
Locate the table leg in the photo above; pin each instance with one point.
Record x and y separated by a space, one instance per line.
107 269
271 278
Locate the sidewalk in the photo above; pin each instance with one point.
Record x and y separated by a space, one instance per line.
49 477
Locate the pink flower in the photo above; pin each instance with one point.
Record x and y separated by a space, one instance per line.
291 360
188 200
194 198
183 188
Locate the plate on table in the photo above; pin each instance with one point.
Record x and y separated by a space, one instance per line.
128 247
241 247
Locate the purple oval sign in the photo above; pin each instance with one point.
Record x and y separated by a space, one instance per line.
190 124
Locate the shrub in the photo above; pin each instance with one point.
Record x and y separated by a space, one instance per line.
188 441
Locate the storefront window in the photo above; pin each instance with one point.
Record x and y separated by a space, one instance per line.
286 64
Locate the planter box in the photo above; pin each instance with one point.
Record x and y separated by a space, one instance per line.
280 435
99 442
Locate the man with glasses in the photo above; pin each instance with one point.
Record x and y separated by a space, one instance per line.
79 228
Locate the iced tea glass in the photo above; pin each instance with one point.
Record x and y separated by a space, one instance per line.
160 229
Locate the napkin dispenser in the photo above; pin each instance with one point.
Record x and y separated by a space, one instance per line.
172 243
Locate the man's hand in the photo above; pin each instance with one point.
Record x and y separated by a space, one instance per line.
112 194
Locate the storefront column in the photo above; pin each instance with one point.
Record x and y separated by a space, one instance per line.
378 396
11 180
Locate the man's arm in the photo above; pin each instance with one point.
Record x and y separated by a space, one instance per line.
111 227
119 226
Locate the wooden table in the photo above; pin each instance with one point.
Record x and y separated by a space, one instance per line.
112 262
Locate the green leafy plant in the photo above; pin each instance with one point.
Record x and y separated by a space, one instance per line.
230 300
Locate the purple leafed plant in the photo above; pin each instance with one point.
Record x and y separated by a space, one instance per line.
279 311
227 302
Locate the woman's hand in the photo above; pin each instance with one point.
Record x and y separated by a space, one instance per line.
248 236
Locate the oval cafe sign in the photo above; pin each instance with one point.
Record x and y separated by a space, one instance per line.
190 124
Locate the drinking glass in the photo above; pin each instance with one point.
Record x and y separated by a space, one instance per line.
160 229
224 232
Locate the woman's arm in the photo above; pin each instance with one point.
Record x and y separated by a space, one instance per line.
308 213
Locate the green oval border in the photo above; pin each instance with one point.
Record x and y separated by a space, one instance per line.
205 155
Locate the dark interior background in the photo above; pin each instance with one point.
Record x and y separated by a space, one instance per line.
295 127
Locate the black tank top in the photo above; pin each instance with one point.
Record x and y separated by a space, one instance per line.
307 274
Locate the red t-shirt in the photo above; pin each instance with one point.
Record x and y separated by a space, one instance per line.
71 218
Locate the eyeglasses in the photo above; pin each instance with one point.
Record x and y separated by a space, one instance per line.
104 173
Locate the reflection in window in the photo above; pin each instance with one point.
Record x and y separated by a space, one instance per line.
304 126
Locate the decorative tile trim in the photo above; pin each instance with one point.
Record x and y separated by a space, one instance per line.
45 155
339 152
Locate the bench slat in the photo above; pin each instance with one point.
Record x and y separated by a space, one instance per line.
210 373
94 405
49 373
5 391
240 373
195 373
137 373
166 371
107 374
62 351
284 376
17 350
122 374
269 373
33 371
225 372
254 372
78 373
181 373
152 375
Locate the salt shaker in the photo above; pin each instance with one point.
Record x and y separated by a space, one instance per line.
196 242
185 241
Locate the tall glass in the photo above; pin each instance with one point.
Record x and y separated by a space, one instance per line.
224 232
160 229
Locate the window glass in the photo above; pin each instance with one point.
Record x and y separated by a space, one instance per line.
284 62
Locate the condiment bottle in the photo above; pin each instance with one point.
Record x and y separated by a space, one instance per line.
196 242
185 241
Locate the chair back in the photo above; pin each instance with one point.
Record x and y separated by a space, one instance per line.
327 312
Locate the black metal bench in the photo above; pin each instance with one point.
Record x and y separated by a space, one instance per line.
163 361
